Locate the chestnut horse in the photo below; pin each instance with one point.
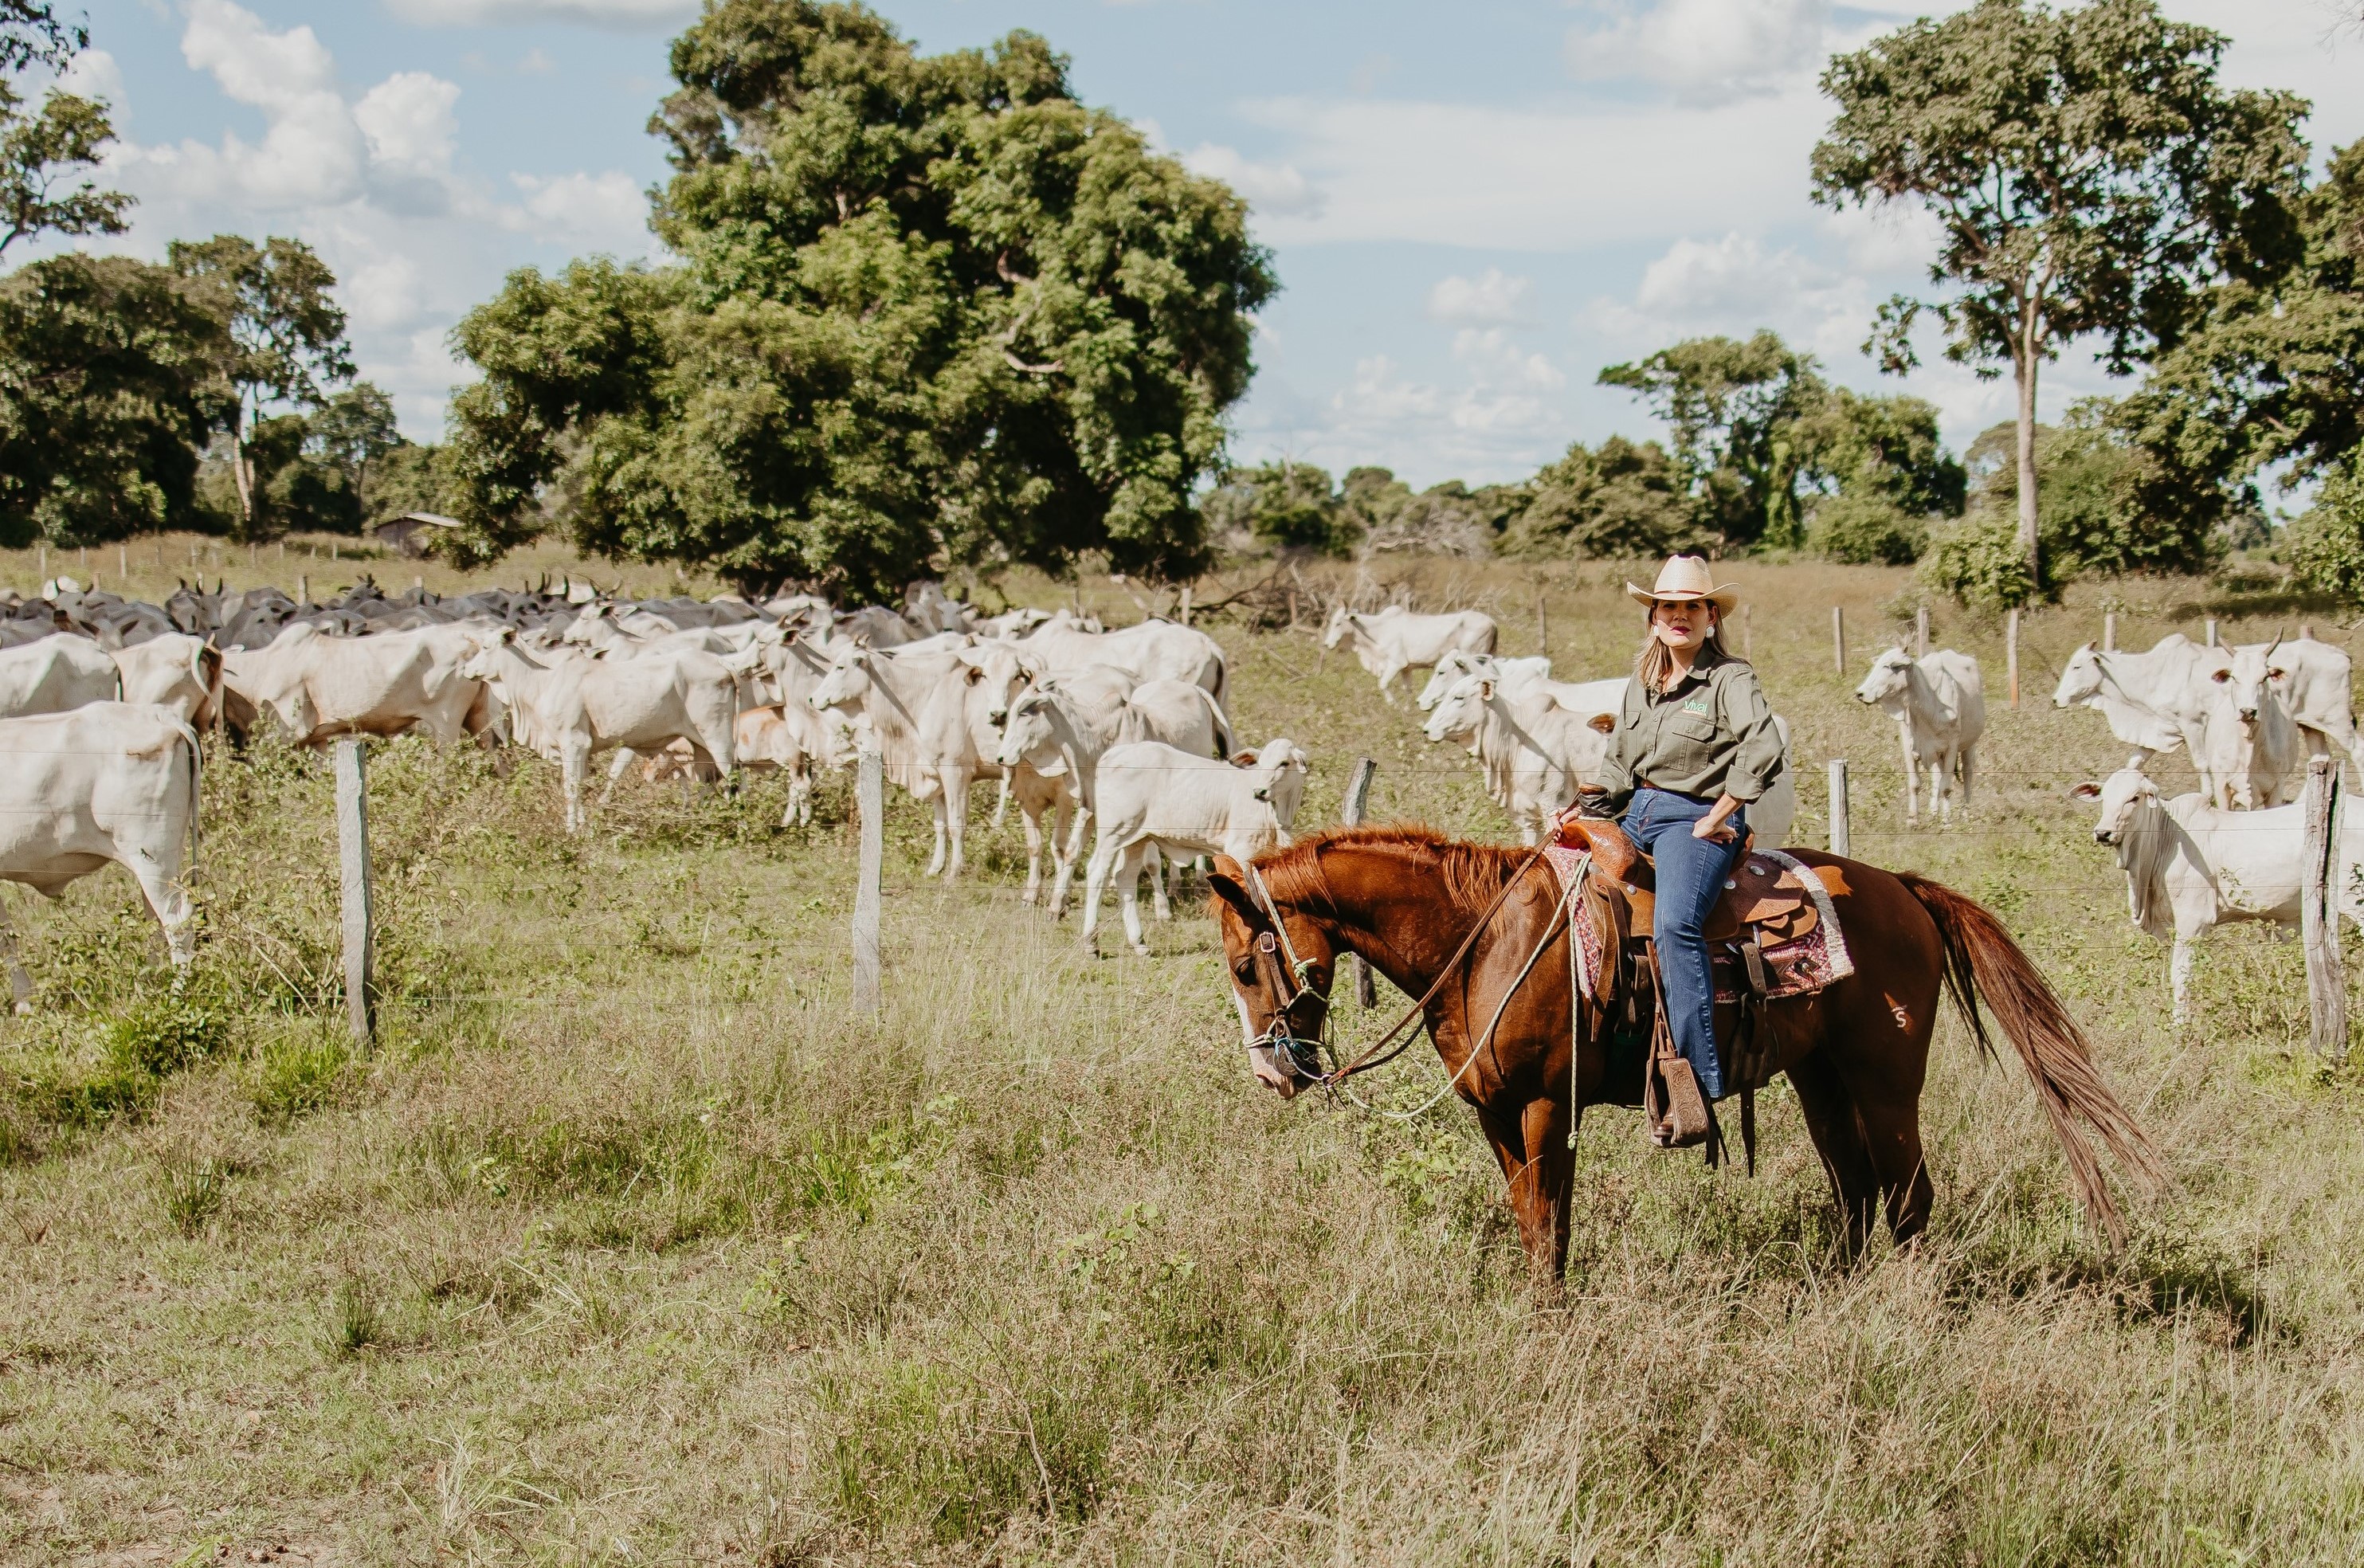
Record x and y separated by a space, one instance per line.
1412 902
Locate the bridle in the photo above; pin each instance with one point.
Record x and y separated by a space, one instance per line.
1285 979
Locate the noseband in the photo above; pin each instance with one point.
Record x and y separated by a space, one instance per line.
1284 986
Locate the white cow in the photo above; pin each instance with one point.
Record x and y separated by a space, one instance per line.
2155 702
787 737
1154 650
106 781
171 670
575 707
1390 641
1061 727
63 670
2314 679
1939 702
321 686
1533 752
1152 794
2192 866
1512 673
2249 745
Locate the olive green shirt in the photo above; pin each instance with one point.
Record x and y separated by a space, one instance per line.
1710 733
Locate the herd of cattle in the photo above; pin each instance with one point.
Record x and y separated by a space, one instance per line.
101 700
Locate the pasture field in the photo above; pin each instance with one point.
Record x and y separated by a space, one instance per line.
632 1244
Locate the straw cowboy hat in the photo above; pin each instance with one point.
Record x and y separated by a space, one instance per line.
1687 577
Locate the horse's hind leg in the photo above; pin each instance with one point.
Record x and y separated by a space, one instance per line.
1892 1134
1838 1137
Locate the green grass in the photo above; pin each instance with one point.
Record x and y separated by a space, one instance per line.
630 1243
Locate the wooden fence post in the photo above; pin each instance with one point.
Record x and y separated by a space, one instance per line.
303 589
353 865
2011 654
123 561
1838 642
870 799
2212 631
1920 632
1542 628
2326 983
1359 801
1186 603
2110 631
1841 841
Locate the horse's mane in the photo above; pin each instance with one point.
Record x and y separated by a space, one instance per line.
1472 874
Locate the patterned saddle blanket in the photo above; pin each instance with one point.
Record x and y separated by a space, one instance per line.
1774 899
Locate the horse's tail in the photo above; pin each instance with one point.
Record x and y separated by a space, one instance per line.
1982 963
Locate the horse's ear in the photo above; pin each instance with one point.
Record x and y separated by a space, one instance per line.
1227 881
2089 790
1605 723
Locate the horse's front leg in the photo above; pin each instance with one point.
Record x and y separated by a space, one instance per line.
1530 1141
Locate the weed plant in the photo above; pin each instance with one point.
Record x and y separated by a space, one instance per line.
632 1241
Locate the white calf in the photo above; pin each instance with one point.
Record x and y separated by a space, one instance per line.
1151 794
1939 704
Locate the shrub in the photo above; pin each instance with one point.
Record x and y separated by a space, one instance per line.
1866 530
1978 561
2326 545
160 1035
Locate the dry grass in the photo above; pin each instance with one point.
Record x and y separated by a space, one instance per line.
630 1244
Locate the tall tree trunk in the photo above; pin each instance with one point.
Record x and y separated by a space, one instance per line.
2031 544
242 473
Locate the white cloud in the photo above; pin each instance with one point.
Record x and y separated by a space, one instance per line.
621 14
1271 189
606 210
1703 51
406 119
1493 299
1471 175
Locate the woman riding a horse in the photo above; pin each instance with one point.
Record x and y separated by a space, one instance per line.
1481 936
1695 743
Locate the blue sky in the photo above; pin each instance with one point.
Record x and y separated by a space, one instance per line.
1472 207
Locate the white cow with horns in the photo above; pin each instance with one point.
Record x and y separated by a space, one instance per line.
1390 641
2158 700
2192 866
104 782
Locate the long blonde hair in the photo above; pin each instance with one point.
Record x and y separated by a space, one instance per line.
1655 665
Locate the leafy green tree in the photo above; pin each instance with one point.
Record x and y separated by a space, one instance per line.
108 388
287 340
1882 448
1621 499
2273 377
46 154
1733 407
2094 489
352 430
2090 177
932 310
1284 505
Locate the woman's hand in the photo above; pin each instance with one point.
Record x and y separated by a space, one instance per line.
1713 826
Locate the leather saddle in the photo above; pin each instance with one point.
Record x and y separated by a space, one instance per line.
1761 892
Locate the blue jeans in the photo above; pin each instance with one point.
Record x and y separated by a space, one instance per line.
1691 873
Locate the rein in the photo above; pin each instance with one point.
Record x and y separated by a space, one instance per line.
1280 1038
